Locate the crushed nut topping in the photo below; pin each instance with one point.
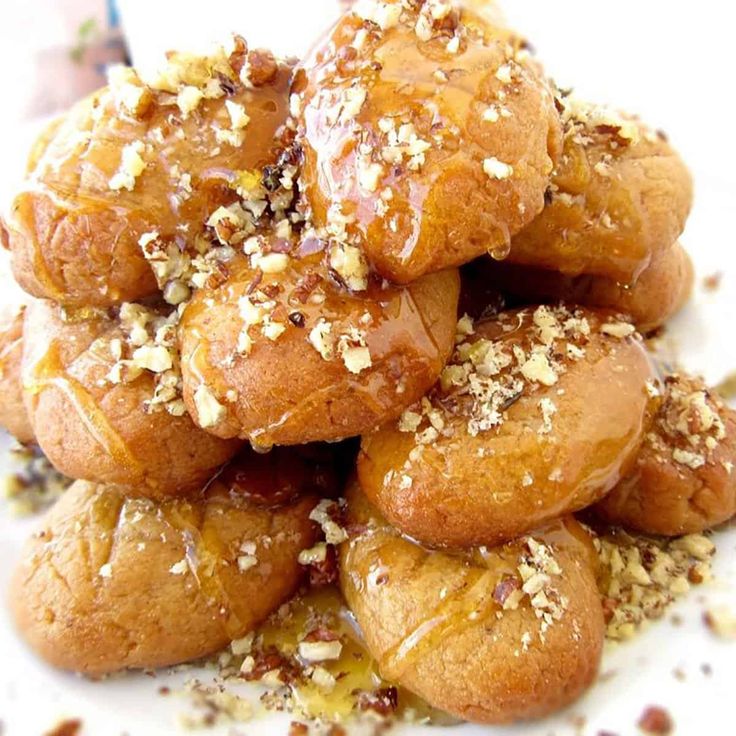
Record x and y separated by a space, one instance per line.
213 705
131 95
350 264
210 411
148 344
496 169
320 336
132 166
534 582
582 120
485 377
384 14
641 576
325 514
33 484
689 426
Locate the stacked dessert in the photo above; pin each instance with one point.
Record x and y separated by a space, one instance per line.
411 237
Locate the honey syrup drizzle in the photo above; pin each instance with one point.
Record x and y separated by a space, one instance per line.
395 318
470 602
23 213
204 553
467 606
6 353
355 671
49 371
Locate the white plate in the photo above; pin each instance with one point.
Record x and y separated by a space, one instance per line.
680 84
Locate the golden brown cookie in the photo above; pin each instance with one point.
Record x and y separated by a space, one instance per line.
429 135
539 413
138 160
658 293
103 395
619 198
111 582
13 415
492 635
684 480
282 352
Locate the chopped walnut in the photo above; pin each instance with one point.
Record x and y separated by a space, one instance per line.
210 411
496 169
656 721
320 337
354 351
350 264
320 651
188 99
324 514
131 167
131 96
641 576
384 14
238 117
618 329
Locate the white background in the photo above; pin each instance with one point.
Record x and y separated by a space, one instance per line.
670 61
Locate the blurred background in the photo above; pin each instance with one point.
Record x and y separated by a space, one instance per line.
669 61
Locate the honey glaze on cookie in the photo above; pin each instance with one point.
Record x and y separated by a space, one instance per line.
618 199
429 130
539 412
140 160
103 392
491 635
300 342
46 366
103 584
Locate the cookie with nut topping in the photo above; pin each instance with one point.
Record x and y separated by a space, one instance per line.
428 131
684 480
619 198
283 351
141 161
162 581
539 412
658 293
103 394
491 635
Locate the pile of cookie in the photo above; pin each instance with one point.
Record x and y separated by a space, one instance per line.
412 237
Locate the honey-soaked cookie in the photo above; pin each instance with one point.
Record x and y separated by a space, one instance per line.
491 635
684 480
429 135
13 415
282 352
619 198
138 162
658 293
112 582
103 394
539 413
